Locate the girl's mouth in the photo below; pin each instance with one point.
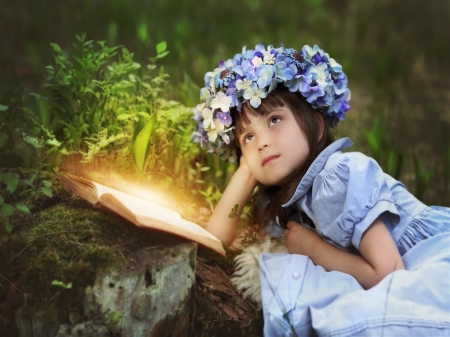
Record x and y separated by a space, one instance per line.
268 160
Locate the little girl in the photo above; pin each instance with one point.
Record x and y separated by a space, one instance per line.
344 219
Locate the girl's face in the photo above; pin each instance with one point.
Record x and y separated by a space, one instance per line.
274 146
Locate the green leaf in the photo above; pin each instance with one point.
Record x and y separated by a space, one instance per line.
34 141
23 208
142 32
47 191
144 114
141 146
28 112
53 142
9 227
11 180
160 56
7 210
124 116
161 47
46 183
62 284
371 139
56 47
3 107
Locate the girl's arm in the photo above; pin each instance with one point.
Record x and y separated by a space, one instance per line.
238 191
379 257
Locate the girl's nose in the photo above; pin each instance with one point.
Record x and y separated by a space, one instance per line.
263 142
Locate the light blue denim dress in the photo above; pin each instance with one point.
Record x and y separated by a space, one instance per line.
340 196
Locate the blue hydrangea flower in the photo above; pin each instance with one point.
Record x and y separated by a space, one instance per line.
254 95
251 75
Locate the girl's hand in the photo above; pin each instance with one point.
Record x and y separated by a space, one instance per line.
379 254
299 239
238 192
243 166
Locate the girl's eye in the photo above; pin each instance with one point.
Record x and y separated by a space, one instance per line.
248 138
274 120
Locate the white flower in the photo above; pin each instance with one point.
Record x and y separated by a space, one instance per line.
254 95
319 73
268 57
336 67
257 61
208 122
313 51
216 130
205 94
209 76
243 84
222 102
226 138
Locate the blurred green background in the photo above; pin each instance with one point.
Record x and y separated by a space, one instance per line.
395 52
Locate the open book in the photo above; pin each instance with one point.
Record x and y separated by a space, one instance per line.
141 212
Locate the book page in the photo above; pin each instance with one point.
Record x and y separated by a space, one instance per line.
137 205
146 211
84 188
138 211
181 223
142 212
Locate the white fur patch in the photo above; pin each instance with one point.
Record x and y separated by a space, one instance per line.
246 275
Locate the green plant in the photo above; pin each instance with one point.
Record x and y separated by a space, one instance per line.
104 102
62 284
391 160
249 235
112 319
423 178
7 208
102 109
19 193
212 195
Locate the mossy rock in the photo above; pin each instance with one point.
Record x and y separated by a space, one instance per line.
65 239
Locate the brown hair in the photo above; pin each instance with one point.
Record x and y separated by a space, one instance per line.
311 122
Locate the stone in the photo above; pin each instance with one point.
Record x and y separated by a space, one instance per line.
151 296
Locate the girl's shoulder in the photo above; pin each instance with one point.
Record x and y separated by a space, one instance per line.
349 161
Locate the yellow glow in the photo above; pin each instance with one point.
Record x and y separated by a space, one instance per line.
169 198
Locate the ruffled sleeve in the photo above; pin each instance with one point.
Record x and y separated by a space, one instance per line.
349 195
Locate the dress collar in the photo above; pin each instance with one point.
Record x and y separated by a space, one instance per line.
317 166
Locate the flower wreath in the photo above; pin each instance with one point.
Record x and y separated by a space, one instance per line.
252 75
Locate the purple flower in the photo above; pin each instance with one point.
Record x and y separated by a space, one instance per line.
317 58
224 118
299 83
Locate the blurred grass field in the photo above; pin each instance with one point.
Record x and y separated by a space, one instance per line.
395 52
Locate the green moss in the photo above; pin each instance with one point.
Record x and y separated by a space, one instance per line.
69 241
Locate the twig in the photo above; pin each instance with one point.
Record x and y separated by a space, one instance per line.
123 256
12 284
17 255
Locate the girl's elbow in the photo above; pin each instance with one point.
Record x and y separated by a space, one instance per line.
380 275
